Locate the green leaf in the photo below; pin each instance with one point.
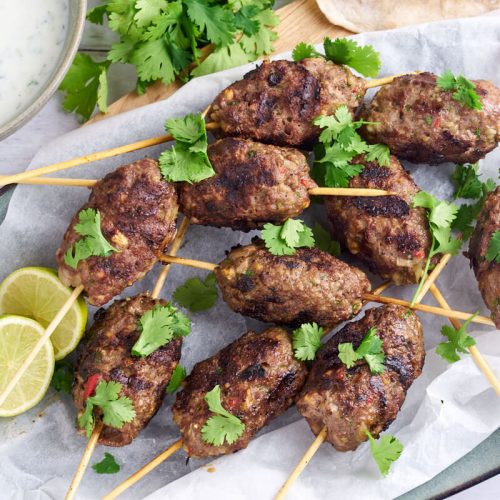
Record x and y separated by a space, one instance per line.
63 377
379 153
370 349
464 91
347 354
178 376
158 327
121 52
148 10
261 42
458 341
284 239
197 295
223 426
493 252
244 20
307 340
386 451
228 56
161 24
96 15
153 62
324 241
93 243
466 181
304 51
121 15
107 465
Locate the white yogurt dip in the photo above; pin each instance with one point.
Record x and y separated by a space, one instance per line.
32 35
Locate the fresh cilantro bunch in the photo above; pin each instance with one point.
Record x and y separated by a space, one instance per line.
93 242
338 144
441 216
306 341
107 465
464 91
223 426
284 239
386 451
158 327
370 350
178 376
197 295
116 411
364 59
493 252
458 341
165 39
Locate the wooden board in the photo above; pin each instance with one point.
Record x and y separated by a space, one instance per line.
301 21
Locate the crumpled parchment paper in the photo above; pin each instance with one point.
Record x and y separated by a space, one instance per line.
39 451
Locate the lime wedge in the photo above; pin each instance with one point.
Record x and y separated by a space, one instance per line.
37 293
18 337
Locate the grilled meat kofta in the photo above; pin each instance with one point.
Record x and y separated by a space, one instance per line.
138 210
422 123
351 401
105 355
254 183
277 102
259 379
487 272
310 285
385 232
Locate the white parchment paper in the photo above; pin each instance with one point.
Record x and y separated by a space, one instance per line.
449 409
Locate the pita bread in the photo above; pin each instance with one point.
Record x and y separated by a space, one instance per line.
374 15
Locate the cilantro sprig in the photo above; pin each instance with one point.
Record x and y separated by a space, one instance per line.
64 374
364 59
93 242
107 465
306 341
223 425
493 252
339 143
385 451
196 294
178 376
458 341
284 239
464 91
369 350
158 327
188 159
116 411
324 241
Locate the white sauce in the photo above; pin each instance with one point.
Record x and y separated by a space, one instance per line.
32 35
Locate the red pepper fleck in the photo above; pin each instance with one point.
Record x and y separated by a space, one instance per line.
437 122
90 385
304 182
419 254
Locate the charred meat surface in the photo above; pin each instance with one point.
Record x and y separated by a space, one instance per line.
350 401
138 212
259 380
254 183
310 285
106 352
423 124
385 232
487 273
277 102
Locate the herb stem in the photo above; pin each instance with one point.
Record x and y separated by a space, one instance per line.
424 274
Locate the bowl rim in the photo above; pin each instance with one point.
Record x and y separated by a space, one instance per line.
59 73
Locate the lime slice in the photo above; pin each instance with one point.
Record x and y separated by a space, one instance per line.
18 337
37 293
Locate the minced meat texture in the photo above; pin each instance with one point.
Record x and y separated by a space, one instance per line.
254 183
385 232
423 124
106 351
350 401
277 102
487 272
309 286
138 214
259 379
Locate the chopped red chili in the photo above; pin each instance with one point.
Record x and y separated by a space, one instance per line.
90 385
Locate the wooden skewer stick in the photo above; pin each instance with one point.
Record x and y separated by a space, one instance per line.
39 345
432 277
367 296
55 181
379 82
474 351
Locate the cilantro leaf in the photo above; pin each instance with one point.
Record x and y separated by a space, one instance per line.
96 15
458 341
385 452
223 426
188 160
107 465
466 181
364 59
324 241
464 91
85 86
222 58
307 340
493 252
262 41
176 379
63 377
158 327
197 295
304 51
148 10
379 153
93 243
370 350
116 411
284 239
